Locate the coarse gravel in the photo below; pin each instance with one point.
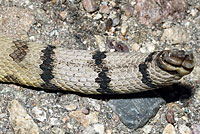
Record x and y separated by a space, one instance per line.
116 26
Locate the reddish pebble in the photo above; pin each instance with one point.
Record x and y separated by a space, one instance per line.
170 116
90 5
104 9
86 111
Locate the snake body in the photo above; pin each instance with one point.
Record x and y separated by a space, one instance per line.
90 72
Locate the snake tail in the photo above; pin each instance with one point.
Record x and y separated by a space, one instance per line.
90 72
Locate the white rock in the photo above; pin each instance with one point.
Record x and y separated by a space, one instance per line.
124 29
147 129
194 12
39 114
55 121
169 129
183 129
150 47
99 128
97 17
143 50
135 47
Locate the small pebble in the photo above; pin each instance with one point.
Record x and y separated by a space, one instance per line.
109 131
167 24
104 3
104 9
100 42
194 12
95 129
170 116
39 114
124 18
143 50
185 118
147 47
115 22
135 47
86 111
65 119
124 29
120 47
89 130
99 128
175 35
128 10
196 129
97 16
112 3
69 125
109 115
21 2
71 107
54 33
95 104
150 47
109 24
147 129
90 5
54 121
63 15
84 119
56 130
183 129
169 129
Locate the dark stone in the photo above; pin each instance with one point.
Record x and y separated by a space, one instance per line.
135 112
138 108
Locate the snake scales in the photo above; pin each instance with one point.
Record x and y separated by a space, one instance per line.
90 72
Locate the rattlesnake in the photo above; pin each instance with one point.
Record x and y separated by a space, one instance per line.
90 72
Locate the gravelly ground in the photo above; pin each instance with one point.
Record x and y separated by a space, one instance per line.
66 23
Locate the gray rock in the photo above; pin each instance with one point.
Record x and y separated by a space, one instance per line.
175 35
134 112
116 22
18 22
21 121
